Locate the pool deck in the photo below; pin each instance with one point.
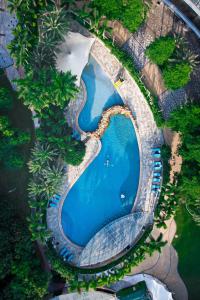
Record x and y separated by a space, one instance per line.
148 136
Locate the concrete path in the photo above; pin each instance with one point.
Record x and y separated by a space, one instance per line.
164 265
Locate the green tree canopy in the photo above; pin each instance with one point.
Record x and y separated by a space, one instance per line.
177 76
48 87
186 120
161 49
129 12
6 100
19 265
55 130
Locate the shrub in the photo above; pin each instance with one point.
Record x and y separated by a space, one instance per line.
5 99
75 153
130 12
161 49
176 76
133 15
14 161
48 87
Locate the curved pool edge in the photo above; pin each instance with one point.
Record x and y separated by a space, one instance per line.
148 138
69 188
88 134
81 107
64 196
134 125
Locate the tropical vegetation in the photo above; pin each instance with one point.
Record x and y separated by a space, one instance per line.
47 172
21 276
47 87
177 75
186 121
130 13
161 50
175 59
12 142
6 100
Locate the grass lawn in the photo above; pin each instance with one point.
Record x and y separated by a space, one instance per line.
188 247
13 183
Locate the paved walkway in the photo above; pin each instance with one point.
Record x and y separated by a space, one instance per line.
160 21
164 265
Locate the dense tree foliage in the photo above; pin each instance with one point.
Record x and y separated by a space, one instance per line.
47 87
47 172
12 139
161 49
6 101
187 121
21 276
53 25
176 76
55 130
175 59
44 23
130 13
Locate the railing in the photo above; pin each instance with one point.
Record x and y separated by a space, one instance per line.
176 11
194 4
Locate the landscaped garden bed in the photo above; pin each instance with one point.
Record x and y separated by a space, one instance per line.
174 58
49 92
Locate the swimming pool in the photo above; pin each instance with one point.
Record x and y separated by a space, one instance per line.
96 197
100 95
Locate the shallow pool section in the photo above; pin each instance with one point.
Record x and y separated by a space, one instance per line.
107 188
100 95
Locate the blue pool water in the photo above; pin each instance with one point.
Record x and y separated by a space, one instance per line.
100 95
94 200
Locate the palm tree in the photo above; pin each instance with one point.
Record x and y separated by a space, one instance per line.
20 49
43 56
53 178
44 153
35 189
53 24
183 53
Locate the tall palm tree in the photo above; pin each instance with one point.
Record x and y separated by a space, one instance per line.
183 53
43 152
35 189
43 56
53 178
53 24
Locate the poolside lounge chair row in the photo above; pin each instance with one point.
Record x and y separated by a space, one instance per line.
157 167
156 152
66 254
54 200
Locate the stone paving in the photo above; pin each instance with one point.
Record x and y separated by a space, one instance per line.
137 44
160 21
166 104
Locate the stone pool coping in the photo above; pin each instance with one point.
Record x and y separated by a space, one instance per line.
90 135
149 136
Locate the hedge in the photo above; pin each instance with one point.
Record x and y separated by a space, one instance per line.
161 49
